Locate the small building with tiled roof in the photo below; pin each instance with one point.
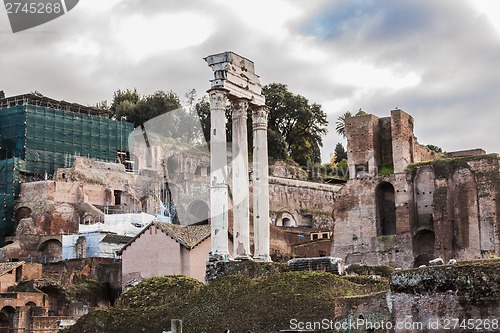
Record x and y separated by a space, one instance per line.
13 272
166 249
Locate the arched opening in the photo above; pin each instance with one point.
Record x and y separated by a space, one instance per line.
386 209
4 323
51 250
198 212
422 259
285 219
423 247
6 316
22 213
57 304
287 222
31 304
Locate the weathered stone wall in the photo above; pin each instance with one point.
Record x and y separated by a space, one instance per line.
357 235
448 298
300 203
184 169
441 207
319 248
463 217
100 269
363 144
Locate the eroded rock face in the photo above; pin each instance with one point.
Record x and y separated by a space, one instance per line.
435 298
287 170
64 220
28 234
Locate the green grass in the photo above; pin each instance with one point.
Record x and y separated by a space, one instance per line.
241 303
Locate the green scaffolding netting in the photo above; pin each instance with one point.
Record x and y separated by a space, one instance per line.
45 139
9 190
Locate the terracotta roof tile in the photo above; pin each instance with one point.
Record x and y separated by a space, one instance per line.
189 236
6 267
116 239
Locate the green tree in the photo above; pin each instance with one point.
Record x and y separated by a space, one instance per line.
128 104
102 105
153 105
340 123
190 121
340 153
203 111
296 126
434 148
2 94
341 170
131 97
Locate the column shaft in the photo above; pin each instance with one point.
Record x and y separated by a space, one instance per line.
240 191
260 185
218 173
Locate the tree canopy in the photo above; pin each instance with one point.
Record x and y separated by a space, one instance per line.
296 127
340 153
435 148
2 94
179 122
136 109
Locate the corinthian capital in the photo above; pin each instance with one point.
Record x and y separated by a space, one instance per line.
239 108
259 117
217 99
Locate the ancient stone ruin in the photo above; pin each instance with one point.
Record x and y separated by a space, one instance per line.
405 204
235 81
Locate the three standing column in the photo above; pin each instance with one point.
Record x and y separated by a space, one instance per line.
218 174
240 191
260 184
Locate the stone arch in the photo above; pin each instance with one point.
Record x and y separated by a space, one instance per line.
4 322
22 213
423 247
198 212
30 303
285 219
386 209
6 316
50 248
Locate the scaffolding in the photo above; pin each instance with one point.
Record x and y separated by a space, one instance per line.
38 135
9 190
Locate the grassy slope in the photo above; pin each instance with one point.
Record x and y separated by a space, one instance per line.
264 304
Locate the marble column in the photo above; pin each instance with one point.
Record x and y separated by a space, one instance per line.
218 173
240 191
260 184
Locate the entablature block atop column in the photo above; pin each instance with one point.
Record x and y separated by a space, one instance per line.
236 74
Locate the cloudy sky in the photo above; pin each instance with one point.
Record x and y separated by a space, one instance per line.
438 60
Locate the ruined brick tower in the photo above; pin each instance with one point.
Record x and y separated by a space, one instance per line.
405 204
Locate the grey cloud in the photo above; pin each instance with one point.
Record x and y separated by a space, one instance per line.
453 51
